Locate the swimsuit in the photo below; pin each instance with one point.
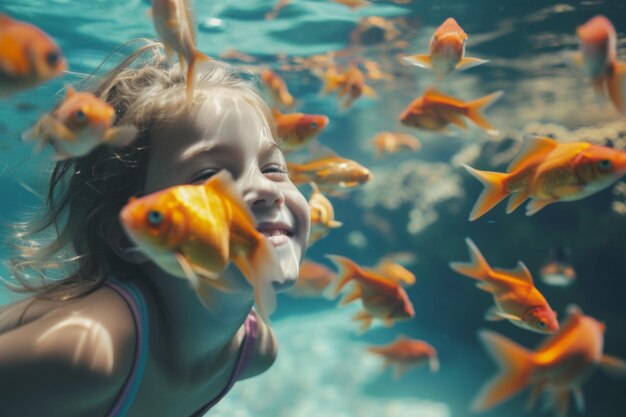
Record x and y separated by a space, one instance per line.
137 305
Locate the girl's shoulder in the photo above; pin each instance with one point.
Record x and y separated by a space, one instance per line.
77 352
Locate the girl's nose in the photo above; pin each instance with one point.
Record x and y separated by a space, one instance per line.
261 192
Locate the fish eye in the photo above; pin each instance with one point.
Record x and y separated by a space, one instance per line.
53 58
541 324
314 125
80 116
155 218
604 164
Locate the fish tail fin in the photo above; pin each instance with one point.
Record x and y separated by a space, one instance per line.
348 269
615 86
515 363
477 267
492 194
422 61
475 108
258 266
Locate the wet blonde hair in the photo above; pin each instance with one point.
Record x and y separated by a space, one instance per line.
66 249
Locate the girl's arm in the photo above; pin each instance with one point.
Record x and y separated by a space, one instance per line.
70 362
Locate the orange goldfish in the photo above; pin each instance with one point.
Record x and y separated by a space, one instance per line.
382 297
322 215
195 231
515 296
435 111
598 59
406 352
313 280
28 56
277 87
547 172
80 123
393 142
556 270
350 83
174 23
329 173
447 50
297 129
561 364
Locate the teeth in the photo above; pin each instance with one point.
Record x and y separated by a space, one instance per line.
274 232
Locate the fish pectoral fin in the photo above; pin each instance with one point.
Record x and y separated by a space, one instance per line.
537 204
508 316
493 314
613 366
467 63
422 61
484 286
120 136
187 269
354 295
366 320
333 224
57 129
388 322
399 370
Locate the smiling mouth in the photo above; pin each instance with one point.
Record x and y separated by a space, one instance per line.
277 234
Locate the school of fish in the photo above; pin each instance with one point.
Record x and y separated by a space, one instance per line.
195 232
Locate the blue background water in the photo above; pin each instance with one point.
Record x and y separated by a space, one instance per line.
417 202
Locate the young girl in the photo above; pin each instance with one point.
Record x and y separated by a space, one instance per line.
109 333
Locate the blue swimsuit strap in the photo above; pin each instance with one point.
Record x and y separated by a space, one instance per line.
137 304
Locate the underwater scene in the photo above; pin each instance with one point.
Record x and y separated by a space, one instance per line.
407 124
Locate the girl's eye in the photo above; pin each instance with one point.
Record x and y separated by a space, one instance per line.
276 170
204 175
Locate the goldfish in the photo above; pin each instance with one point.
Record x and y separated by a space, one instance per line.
277 87
350 83
78 125
313 281
557 270
28 56
382 298
173 22
598 59
515 296
435 111
393 142
195 231
374 27
547 172
559 366
447 50
330 173
406 352
322 215
297 129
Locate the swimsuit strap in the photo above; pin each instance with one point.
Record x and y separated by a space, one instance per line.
137 304
243 360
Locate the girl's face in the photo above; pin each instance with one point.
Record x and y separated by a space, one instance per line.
228 133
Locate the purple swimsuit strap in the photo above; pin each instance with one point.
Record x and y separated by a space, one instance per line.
243 360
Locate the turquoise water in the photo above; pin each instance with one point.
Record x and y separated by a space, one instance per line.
416 202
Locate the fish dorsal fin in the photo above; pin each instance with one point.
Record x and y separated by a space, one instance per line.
69 91
532 147
520 272
432 92
223 184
